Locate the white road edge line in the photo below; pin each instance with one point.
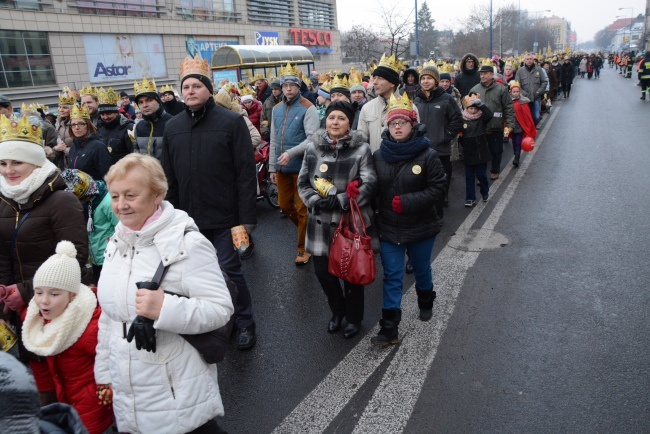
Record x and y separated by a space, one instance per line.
414 355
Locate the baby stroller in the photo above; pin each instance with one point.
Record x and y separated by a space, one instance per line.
265 188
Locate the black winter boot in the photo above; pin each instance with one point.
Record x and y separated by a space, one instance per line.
515 161
425 303
389 323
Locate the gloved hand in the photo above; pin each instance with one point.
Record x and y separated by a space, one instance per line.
477 102
352 190
12 298
397 205
329 203
250 228
105 394
145 335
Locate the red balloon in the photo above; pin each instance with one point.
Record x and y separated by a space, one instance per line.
528 144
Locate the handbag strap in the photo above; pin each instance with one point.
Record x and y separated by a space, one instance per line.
355 211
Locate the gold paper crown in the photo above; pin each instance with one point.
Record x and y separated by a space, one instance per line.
390 62
430 63
353 70
307 81
371 69
107 97
85 91
258 77
469 100
401 103
289 70
80 112
167 88
146 87
246 91
322 78
355 79
32 108
22 130
340 82
326 86
195 66
514 83
66 97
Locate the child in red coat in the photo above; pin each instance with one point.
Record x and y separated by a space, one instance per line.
61 325
525 124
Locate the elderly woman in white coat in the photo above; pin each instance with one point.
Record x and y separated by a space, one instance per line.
170 389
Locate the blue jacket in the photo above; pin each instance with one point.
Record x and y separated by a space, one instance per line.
292 123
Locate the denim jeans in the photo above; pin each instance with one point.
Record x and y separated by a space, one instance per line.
495 143
392 259
536 110
478 171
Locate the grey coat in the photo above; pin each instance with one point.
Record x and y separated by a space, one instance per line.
497 97
349 160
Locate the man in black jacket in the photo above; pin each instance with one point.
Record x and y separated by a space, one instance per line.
170 103
469 76
208 159
148 135
114 129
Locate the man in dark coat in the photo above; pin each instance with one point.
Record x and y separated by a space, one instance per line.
469 76
128 108
148 135
262 88
208 159
170 103
114 129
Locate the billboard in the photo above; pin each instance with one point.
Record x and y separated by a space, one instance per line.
267 38
114 57
205 46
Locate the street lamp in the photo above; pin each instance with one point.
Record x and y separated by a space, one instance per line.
629 40
536 24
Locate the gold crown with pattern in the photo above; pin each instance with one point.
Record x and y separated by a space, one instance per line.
469 100
245 90
289 70
195 66
107 97
21 130
390 62
340 82
323 77
145 87
32 108
85 91
79 112
257 77
326 86
66 97
514 83
167 88
430 63
356 79
401 103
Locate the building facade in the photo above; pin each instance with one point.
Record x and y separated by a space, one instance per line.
560 28
48 44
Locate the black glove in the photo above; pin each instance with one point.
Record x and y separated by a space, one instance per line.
329 203
142 328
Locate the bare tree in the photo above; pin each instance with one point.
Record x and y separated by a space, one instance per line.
396 29
360 44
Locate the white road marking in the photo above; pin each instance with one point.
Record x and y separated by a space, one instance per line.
392 403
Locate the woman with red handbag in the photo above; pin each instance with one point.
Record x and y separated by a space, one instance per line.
411 189
338 161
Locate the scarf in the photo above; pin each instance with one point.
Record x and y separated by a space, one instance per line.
343 142
394 152
51 338
508 77
21 192
471 117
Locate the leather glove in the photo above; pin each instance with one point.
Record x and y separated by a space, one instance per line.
12 298
329 203
105 394
142 328
250 228
397 205
352 190
477 103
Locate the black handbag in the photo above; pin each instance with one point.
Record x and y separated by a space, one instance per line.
211 345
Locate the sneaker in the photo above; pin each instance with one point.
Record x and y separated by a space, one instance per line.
486 197
302 258
469 203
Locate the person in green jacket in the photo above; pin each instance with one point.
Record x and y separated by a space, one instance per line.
101 220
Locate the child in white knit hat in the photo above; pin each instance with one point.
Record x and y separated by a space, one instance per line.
62 325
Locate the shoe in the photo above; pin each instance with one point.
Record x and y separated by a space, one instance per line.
643 97
388 333
494 176
469 203
334 324
245 338
351 331
303 258
409 268
486 197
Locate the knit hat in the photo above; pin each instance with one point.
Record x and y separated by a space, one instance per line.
247 98
430 70
4 101
79 183
123 94
202 78
445 76
401 108
387 73
61 270
21 141
357 87
342 106
19 397
276 84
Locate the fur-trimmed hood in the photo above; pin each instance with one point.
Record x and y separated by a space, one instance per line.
356 139
477 64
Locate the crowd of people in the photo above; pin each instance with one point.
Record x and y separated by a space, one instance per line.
94 206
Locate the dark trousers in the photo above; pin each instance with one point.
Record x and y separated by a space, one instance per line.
566 87
230 263
495 143
516 142
645 83
346 301
472 173
210 427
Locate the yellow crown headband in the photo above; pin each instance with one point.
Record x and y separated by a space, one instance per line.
390 62
145 87
195 66
107 97
79 112
401 103
22 130
66 97
289 70
167 88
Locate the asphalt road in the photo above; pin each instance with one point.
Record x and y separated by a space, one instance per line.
541 320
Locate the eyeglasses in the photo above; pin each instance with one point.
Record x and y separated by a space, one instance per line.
397 124
79 125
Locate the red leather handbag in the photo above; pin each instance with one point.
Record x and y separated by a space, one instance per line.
351 257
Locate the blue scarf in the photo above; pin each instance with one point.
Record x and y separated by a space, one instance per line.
394 152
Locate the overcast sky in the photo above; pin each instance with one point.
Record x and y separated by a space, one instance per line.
586 17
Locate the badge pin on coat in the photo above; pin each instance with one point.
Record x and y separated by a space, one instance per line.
417 169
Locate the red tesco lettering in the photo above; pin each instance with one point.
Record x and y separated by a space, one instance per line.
311 37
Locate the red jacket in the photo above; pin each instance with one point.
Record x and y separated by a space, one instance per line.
73 372
255 113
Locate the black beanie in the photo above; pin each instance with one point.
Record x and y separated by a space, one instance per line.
341 106
202 78
341 90
123 94
388 74
153 95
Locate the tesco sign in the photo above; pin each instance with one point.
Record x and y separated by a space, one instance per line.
311 37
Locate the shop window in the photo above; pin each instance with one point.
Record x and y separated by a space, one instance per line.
271 12
25 59
132 8
317 15
31 5
208 10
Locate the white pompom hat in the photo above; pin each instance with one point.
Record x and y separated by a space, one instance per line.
61 270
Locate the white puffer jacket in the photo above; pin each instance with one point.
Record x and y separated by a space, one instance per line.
172 390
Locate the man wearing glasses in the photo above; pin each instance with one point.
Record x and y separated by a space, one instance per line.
469 76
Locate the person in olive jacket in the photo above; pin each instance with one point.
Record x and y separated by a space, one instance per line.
207 155
441 115
411 184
